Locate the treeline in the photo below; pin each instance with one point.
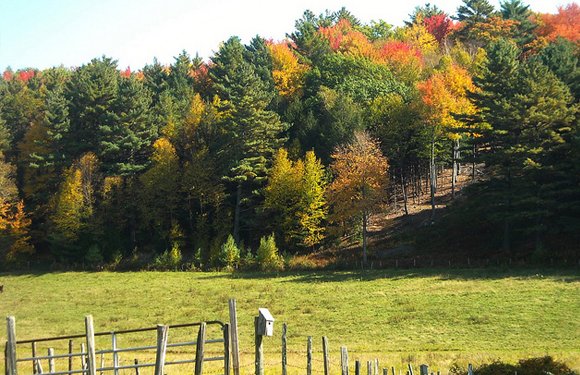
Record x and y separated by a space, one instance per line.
292 144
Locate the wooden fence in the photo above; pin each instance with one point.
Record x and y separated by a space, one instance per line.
92 358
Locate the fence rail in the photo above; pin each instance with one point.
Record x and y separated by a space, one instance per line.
88 350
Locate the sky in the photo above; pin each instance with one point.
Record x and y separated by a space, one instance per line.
46 33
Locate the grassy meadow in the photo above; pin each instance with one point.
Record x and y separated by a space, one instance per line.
432 316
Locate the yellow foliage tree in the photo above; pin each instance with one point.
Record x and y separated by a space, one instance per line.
160 187
295 193
288 73
360 182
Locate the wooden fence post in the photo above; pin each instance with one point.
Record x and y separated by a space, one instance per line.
200 350
234 337
385 371
51 360
410 369
376 372
91 356
470 367
393 370
259 357
309 356
344 360
162 333
325 355
136 366
284 358
369 368
70 352
226 349
424 370
357 367
34 368
11 367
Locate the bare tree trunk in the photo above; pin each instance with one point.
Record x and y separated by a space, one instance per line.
364 233
433 177
404 189
237 213
455 168
474 161
507 227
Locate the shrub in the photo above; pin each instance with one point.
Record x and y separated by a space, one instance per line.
229 255
532 366
170 259
267 255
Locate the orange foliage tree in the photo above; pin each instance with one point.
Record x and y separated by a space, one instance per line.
565 23
360 171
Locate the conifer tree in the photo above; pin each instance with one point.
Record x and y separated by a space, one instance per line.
251 132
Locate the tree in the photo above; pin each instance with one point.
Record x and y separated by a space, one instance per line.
470 14
360 171
251 133
523 32
160 190
71 221
295 196
561 58
564 24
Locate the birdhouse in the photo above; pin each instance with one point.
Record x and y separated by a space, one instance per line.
265 322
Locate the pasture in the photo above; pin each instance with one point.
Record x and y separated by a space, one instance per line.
399 316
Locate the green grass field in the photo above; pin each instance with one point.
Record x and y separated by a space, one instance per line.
433 316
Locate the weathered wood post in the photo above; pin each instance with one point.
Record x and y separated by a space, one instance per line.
259 357
325 355
376 371
136 366
11 367
226 349
91 356
234 337
309 356
470 367
424 370
51 360
264 324
393 370
162 333
357 367
369 368
34 368
344 360
199 351
385 371
284 348
410 369
70 352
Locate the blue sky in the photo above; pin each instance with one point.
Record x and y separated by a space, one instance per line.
45 33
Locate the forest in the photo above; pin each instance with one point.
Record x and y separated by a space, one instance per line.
288 146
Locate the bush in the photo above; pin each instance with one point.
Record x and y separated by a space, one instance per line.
532 366
267 256
169 260
229 255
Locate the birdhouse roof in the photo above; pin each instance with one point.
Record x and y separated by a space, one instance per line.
265 313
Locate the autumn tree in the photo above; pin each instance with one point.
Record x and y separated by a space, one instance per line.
358 188
73 206
295 196
160 191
